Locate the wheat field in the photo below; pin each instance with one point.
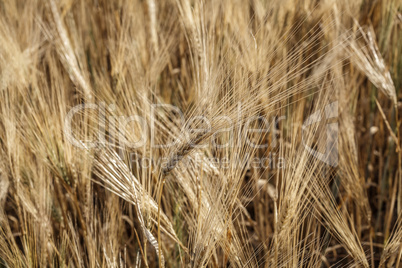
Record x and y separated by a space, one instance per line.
195 133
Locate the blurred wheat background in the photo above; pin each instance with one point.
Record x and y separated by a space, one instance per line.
75 205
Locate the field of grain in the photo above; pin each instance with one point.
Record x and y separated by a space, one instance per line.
197 133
